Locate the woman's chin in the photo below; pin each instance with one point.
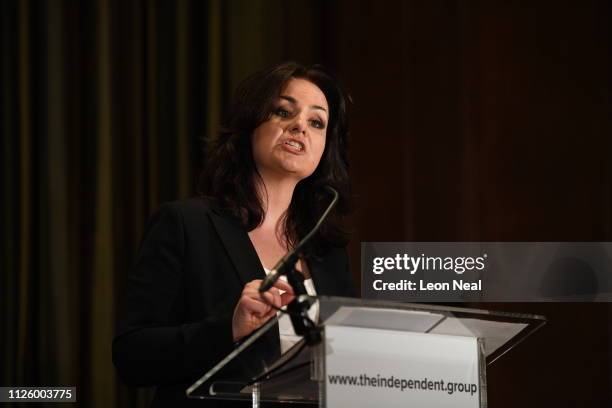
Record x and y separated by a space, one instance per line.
294 169
296 173
291 169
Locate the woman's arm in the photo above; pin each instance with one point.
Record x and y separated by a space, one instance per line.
149 349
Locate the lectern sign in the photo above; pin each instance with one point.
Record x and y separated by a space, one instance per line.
385 368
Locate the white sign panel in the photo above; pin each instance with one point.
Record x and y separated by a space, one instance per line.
383 368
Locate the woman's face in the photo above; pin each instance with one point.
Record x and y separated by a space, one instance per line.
291 142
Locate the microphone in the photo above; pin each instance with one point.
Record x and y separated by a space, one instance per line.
288 261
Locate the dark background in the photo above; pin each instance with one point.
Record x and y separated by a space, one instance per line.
472 121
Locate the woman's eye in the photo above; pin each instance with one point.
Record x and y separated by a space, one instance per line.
283 113
317 124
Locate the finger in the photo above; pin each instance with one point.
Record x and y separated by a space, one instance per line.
265 317
270 315
273 296
273 291
277 297
255 306
282 285
286 298
266 297
256 283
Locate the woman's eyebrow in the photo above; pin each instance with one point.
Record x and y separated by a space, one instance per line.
293 101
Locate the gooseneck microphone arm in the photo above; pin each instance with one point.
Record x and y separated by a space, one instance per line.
298 308
288 261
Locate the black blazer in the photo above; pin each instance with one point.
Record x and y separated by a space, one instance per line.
176 317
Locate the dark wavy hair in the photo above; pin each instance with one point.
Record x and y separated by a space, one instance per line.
230 171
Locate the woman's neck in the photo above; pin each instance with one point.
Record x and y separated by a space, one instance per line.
276 194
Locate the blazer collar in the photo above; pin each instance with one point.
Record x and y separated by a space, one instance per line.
244 257
238 245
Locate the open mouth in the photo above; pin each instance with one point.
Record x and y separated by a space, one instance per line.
295 145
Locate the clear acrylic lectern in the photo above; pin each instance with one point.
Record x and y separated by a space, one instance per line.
257 372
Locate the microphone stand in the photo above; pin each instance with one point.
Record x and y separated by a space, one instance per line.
298 308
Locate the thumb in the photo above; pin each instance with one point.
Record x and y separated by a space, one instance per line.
286 298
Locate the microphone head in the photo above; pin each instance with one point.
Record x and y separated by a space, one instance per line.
280 269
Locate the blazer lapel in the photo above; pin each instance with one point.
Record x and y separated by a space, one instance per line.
239 247
244 257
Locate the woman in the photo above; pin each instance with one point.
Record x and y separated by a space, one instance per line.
194 289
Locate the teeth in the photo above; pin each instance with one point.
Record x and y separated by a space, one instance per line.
295 144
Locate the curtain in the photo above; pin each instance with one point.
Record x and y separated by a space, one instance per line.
104 107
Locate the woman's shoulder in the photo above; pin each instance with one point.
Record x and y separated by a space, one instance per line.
196 213
189 208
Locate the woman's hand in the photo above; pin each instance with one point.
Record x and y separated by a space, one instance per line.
252 311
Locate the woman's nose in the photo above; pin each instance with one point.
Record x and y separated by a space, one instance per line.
298 125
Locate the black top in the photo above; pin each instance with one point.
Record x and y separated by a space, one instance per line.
176 317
